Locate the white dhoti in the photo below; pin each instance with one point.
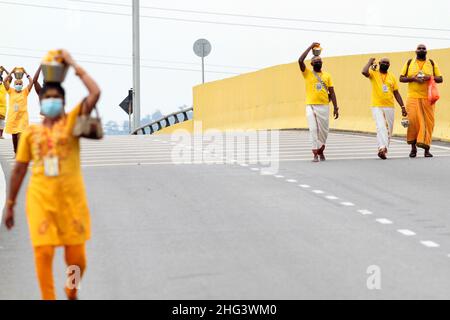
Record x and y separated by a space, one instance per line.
318 120
384 119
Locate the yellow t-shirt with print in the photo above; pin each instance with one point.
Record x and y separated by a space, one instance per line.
56 207
17 119
383 87
415 89
315 91
2 101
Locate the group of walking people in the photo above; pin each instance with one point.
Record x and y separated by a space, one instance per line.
56 204
419 110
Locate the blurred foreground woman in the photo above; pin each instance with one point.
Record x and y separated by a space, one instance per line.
56 204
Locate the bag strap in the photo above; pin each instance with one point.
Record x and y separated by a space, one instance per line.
434 68
320 80
407 67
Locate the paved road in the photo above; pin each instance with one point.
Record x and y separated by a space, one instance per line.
226 231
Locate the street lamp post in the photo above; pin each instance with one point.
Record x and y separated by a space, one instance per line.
136 67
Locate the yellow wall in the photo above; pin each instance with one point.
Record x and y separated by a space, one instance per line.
273 98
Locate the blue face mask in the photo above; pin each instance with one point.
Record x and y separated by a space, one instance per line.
18 87
51 107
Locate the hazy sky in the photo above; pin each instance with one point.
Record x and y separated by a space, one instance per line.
102 42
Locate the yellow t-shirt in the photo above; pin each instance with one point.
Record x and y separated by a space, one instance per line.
2 101
383 87
17 119
56 207
415 89
315 91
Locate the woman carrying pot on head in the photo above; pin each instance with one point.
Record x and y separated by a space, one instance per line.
56 204
17 118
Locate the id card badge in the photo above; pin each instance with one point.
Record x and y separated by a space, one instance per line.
385 88
51 166
319 87
16 107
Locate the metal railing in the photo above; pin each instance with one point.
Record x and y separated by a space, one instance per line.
164 122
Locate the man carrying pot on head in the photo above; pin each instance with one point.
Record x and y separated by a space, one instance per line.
17 119
319 92
384 89
418 73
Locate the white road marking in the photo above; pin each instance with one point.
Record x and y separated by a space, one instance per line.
332 197
384 221
348 204
291 181
244 165
318 191
365 212
279 176
304 186
430 244
254 169
406 232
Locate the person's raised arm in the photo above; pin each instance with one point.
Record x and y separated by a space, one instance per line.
18 173
334 101
301 60
366 68
30 82
37 85
8 79
4 69
91 85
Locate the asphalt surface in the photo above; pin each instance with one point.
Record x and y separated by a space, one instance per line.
225 231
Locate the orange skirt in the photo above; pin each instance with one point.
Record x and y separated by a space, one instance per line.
421 122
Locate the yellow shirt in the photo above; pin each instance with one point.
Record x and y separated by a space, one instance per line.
315 91
415 89
56 207
383 87
17 119
2 101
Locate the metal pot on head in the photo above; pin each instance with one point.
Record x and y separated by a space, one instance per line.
18 73
54 71
317 51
